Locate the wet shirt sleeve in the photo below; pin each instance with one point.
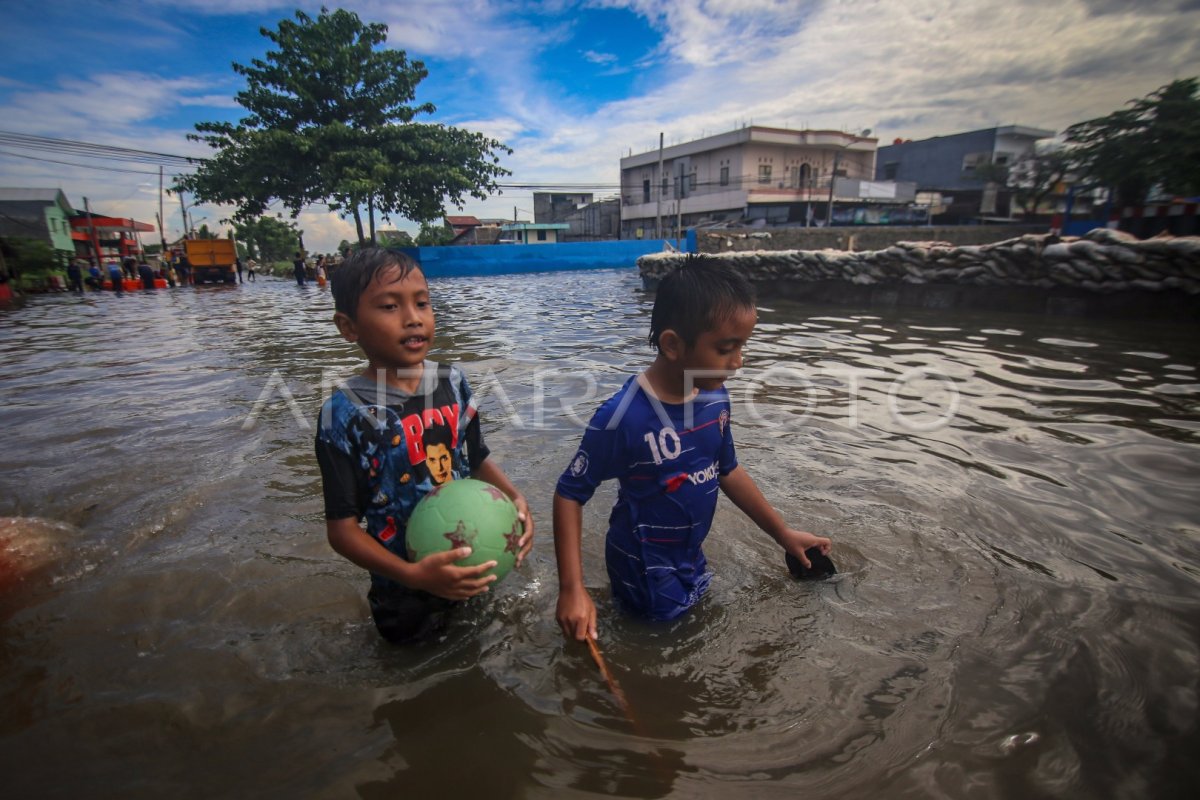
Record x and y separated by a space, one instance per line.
342 484
728 454
600 457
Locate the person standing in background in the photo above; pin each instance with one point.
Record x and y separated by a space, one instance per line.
116 276
95 277
146 274
298 268
75 277
184 269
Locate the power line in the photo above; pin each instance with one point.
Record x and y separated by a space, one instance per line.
92 150
84 166
566 187
71 147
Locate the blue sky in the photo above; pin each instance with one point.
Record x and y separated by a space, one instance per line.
572 85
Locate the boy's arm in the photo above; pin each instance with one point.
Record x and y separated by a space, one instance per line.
739 487
576 612
435 573
490 472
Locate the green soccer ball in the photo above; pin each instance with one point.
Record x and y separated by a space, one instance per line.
466 513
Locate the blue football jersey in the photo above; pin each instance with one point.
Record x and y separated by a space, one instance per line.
667 458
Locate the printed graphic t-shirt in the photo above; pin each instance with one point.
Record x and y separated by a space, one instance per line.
382 450
667 458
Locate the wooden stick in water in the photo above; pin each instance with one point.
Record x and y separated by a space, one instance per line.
612 682
664 774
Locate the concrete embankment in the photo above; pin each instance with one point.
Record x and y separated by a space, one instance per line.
1103 273
854 238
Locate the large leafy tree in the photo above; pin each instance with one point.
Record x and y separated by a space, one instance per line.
1036 175
267 238
396 239
1154 142
1031 178
331 119
432 235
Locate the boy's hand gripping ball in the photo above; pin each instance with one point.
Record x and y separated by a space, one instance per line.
466 513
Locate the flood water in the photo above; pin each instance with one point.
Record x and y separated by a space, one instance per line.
1012 498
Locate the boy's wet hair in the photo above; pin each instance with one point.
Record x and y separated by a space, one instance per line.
352 278
696 297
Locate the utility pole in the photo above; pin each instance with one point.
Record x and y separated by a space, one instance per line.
832 179
92 232
162 236
183 212
658 231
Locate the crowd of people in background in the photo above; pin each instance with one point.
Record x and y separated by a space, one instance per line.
318 268
128 273
116 276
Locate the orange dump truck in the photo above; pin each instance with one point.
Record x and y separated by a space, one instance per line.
212 260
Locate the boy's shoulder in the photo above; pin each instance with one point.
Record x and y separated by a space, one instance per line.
633 407
615 409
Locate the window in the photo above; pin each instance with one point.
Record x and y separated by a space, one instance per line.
541 236
646 191
972 160
771 214
890 170
664 187
724 176
764 173
692 180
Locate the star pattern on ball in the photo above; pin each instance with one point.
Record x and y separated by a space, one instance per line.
513 539
459 536
495 493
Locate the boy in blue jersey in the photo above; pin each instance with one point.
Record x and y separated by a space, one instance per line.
388 436
665 437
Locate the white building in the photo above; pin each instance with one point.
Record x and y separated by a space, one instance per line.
775 175
532 232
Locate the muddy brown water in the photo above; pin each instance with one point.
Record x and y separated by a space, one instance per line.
1013 501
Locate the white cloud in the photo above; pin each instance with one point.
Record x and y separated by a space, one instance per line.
323 231
917 69
210 101
598 58
98 105
927 66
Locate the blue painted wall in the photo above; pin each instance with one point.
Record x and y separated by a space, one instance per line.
448 262
1078 227
935 163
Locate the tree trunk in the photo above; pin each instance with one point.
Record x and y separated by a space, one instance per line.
358 225
371 217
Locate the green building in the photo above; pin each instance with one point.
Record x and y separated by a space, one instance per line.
40 214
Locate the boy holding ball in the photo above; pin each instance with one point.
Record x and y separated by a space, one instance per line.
373 444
